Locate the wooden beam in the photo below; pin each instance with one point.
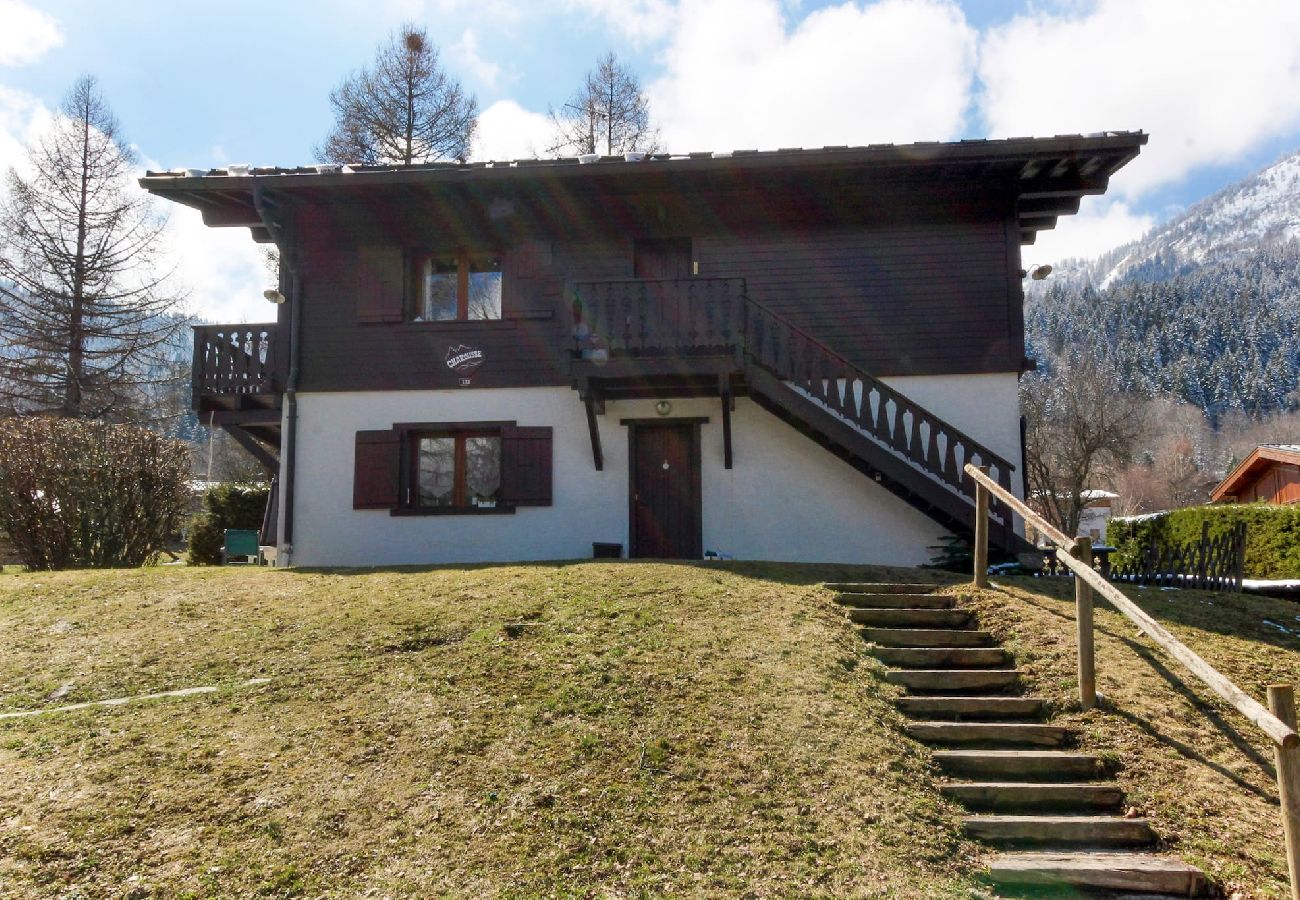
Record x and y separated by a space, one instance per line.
593 431
1047 207
246 417
254 448
226 217
726 425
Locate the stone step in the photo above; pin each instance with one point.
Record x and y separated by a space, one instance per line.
976 708
1019 795
1019 765
941 657
896 601
1058 831
881 587
954 681
911 618
1108 871
926 637
1003 734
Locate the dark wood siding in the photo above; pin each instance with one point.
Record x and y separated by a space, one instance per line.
922 290
908 300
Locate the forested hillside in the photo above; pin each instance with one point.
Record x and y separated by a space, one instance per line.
1223 336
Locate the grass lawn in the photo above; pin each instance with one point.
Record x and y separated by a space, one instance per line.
592 729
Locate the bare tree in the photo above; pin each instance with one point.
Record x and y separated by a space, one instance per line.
609 113
1078 427
403 111
87 320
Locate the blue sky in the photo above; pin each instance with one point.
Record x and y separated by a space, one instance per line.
1217 84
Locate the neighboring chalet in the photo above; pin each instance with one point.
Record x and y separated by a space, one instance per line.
779 355
1269 474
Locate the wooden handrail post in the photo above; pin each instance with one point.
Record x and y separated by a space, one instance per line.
982 533
1281 703
1083 619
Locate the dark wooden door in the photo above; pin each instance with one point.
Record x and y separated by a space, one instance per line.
665 476
662 259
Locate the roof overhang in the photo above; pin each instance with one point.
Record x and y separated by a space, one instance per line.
1250 468
1048 177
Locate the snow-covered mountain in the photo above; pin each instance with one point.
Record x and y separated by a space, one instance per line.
1243 218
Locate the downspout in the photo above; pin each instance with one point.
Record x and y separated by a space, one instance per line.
289 440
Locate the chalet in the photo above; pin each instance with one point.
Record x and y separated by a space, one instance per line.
1269 474
782 355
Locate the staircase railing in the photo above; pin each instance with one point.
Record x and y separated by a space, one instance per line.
1278 721
893 419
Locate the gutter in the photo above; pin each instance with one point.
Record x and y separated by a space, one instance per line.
289 439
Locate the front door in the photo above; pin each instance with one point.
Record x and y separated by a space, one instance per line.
665 511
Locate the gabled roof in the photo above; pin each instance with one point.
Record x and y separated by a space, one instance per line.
1253 465
1048 175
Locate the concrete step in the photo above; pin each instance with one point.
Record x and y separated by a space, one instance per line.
1108 871
881 587
926 637
1004 734
1059 831
911 618
1019 795
942 657
1019 765
954 681
896 601
974 708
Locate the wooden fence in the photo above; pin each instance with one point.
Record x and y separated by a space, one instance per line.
1278 721
1210 564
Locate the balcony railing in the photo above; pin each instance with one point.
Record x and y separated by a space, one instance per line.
640 317
231 360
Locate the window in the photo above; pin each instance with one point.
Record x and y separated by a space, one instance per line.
456 287
456 470
452 468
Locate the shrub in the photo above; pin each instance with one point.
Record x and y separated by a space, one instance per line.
224 506
1272 534
83 494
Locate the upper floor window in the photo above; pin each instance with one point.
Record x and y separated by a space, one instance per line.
456 287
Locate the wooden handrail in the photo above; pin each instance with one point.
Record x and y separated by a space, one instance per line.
1277 730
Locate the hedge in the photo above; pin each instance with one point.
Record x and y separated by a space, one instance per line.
85 494
224 506
1272 534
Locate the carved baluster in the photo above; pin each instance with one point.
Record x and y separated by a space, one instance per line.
915 447
951 473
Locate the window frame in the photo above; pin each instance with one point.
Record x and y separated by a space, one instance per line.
411 434
463 259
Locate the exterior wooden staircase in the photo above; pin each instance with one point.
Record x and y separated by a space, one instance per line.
1057 820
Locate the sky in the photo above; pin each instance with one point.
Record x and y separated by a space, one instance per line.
1216 84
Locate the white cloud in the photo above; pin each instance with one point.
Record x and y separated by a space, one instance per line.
1209 80
637 20
1102 224
28 33
507 131
22 119
739 76
465 54
221 268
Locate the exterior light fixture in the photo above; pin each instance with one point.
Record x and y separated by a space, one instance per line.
273 295
663 408
1037 273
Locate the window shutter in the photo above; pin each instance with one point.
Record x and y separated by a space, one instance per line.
526 466
375 472
379 284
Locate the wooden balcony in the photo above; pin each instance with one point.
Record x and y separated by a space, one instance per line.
238 372
637 337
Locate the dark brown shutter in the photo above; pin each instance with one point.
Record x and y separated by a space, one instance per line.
379 284
526 465
375 473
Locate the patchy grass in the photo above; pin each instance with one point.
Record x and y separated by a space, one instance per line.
593 729
1190 762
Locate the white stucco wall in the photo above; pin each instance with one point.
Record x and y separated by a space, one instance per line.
785 498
